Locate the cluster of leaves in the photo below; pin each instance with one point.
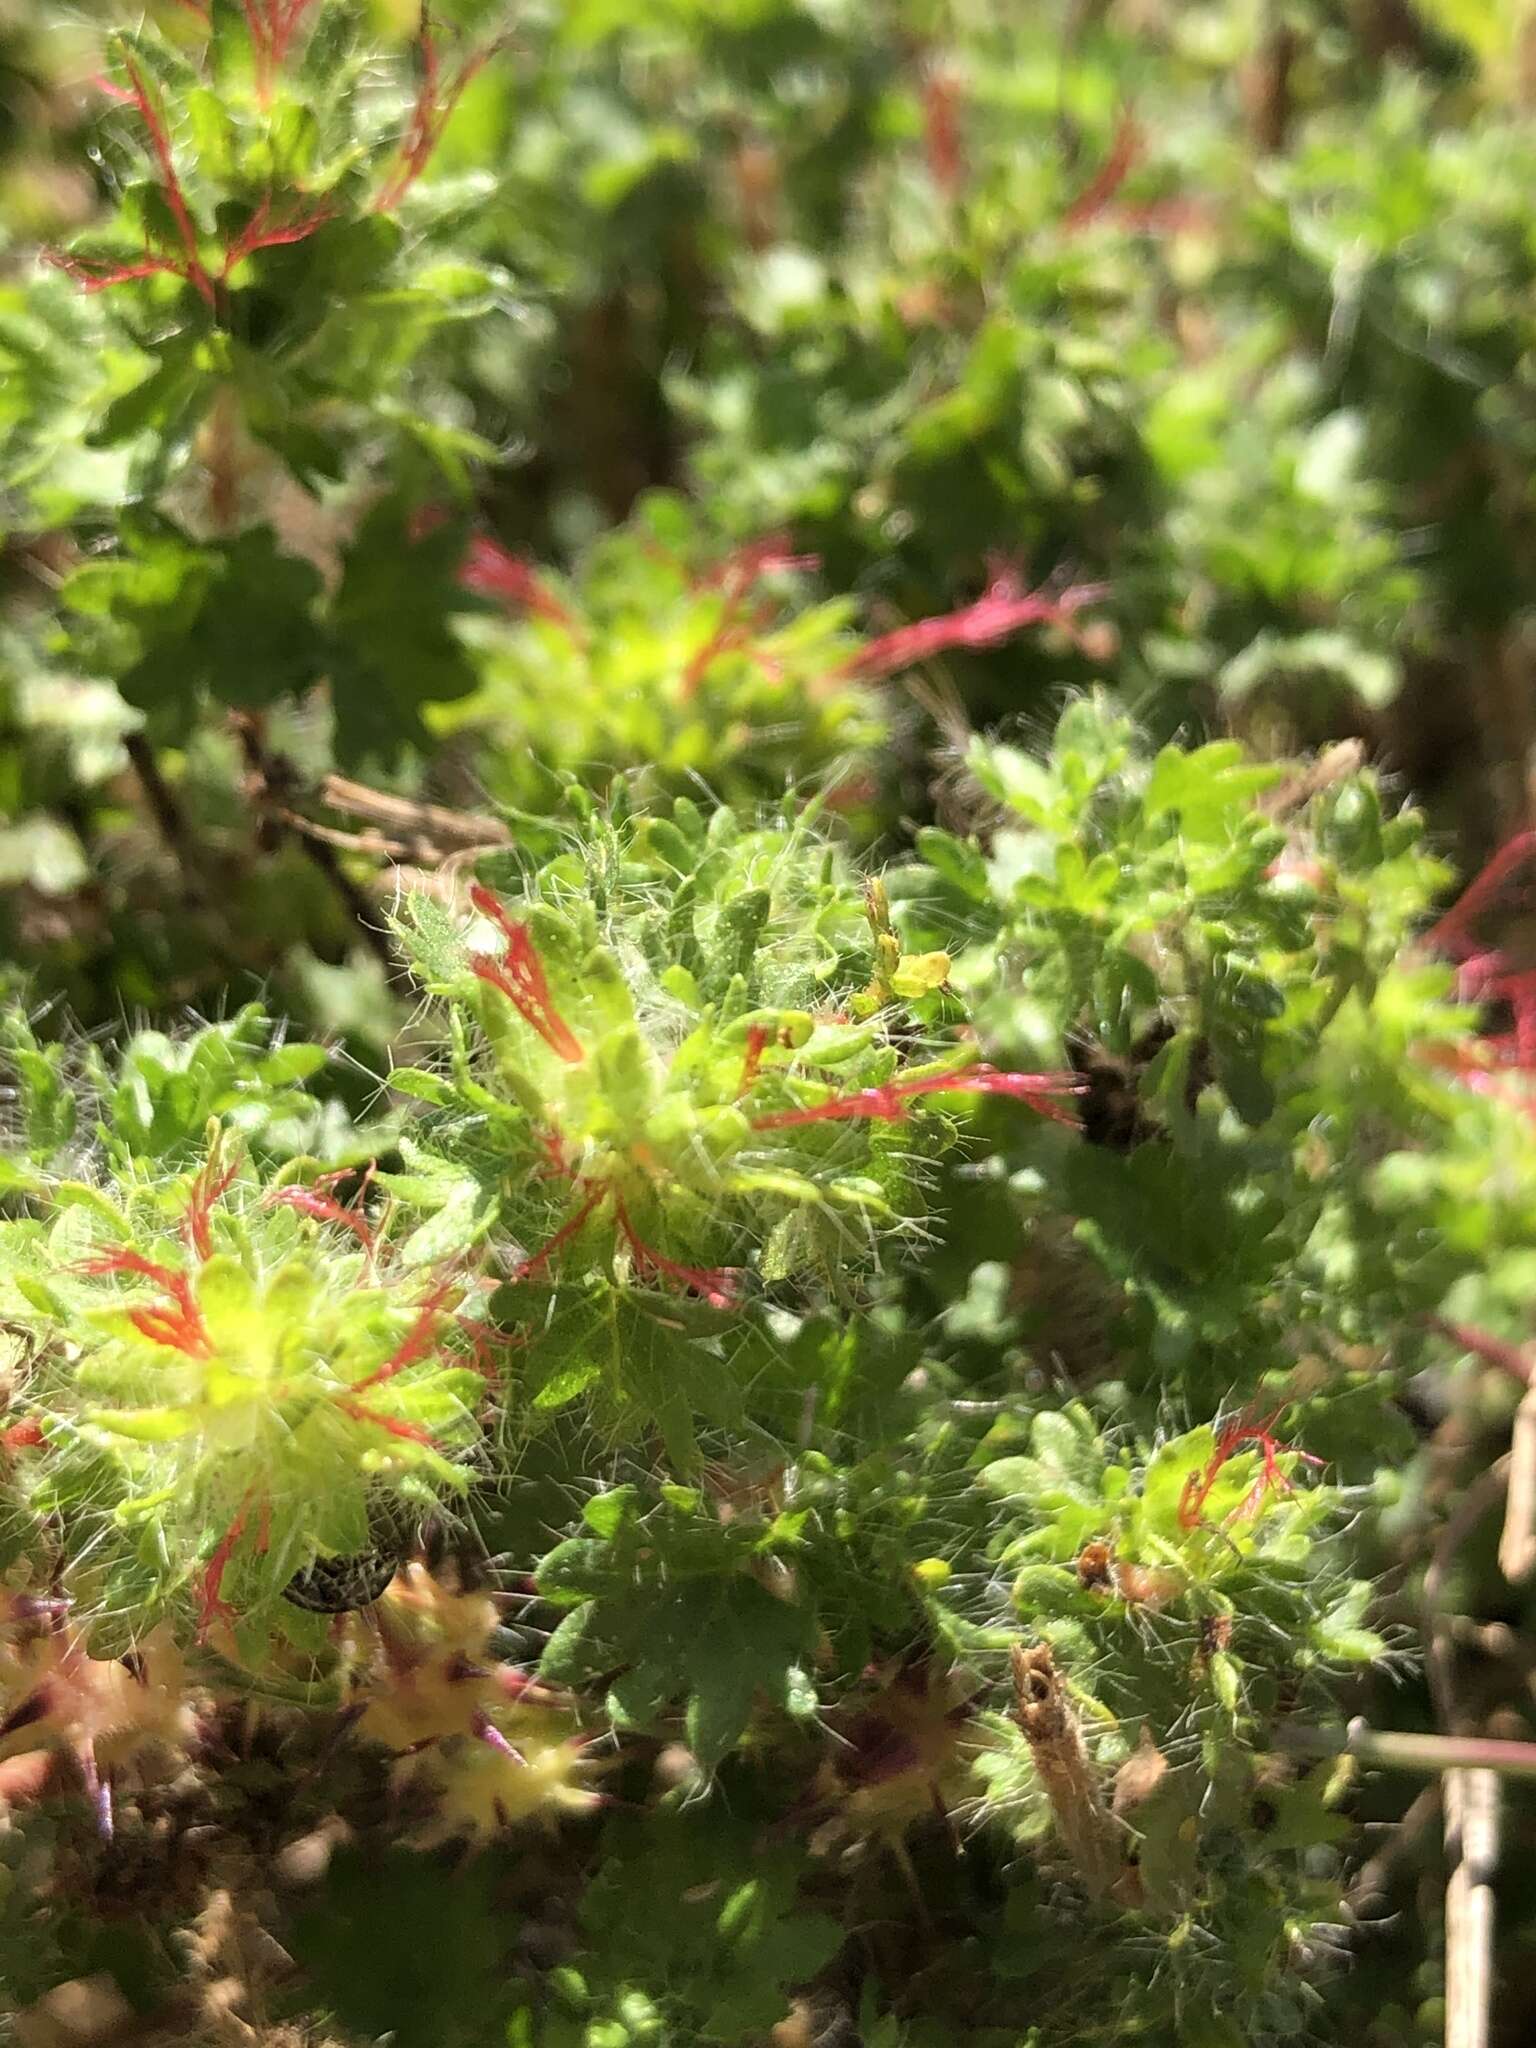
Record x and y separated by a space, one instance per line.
836 1332
922 294
661 1280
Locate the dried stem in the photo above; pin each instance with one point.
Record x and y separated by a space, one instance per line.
1376 1880
372 843
1472 1795
268 775
166 812
1089 1831
1268 87
1422 1754
1473 1800
1335 765
1478 1501
458 829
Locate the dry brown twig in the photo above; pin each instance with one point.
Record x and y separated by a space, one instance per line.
1473 1797
431 823
1334 765
1376 1880
269 784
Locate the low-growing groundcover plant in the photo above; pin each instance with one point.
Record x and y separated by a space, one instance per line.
826 1464
744 1300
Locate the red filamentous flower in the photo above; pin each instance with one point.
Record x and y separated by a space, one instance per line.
1484 973
318 1201
1231 1439
434 107
211 1607
209 1187
537 1261
178 1324
273 24
757 1043
735 578
720 1286
520 977
490 570
417 1342
1002 610
262 231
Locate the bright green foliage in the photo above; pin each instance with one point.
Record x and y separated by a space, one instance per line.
697 1125
258 308
229 1387
1217 1584
689 1060
153 1101
614 620
668 656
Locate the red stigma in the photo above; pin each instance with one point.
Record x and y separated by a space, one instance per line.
720 1286
261 231
317 1201
520 977
177 1325
160 143
411 1432
435 102
734 578
211 1607
1000 612
490 570
537 1261
1485 974
1231 1439
757 1040
415 1345
273 25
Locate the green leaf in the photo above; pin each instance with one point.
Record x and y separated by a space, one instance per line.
230 621
392 650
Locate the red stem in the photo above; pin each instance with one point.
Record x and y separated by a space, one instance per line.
888 1103
1509 1358
171 183
416 1343
1124 150
412 1432
1003 610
